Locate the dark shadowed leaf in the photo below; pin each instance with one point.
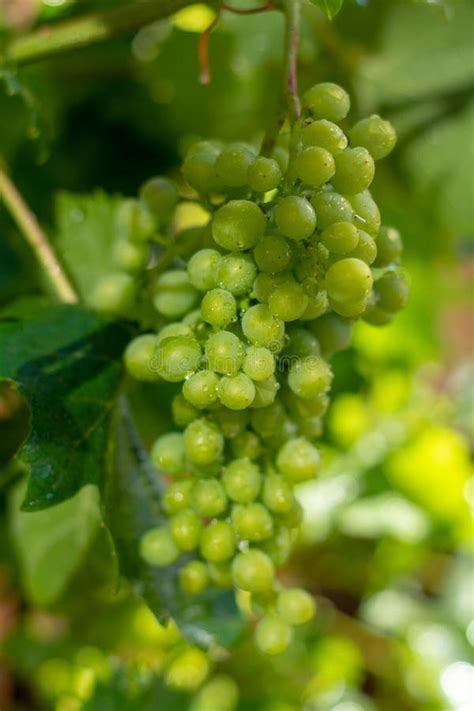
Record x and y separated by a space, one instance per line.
15 420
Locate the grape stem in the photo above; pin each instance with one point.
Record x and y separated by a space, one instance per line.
36 238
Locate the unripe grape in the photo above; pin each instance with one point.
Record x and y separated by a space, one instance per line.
208 498
355 170
242 480
236 391
317 301
323 133
265 392
366 248
183 412
327 101
288 302
221 575
263 174
253 571
264 284
262 328
259 363
348 280
199 170
218 542
130 256
268 421
236 272
114 293
218 308
201 388
295 217
331 207
349 309
278 548
167 453
188 670
291 518
273 254
333 333
177 328
298 460
376 316
134 222
230 422
203 442
158 548
185 528
232 165
252 522
273 635
177 358
140 358
282 157
366 212
315 166
301 344
159 195
375 134
202 269
295 606
224 352
391 291
238 225
246 444
340 237
220 693
177 496
389 246
310 377
174 295
278 494
194 577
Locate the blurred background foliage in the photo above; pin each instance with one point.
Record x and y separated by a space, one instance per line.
386 545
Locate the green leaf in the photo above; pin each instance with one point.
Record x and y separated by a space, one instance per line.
15 420
132 500
330 7
52 544
67 363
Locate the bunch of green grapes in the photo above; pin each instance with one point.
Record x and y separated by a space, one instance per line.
293 254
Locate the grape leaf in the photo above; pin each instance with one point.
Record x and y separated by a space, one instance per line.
51 544
330 7
132 507
15 420
66 361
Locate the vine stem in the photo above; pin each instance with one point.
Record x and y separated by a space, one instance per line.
36 238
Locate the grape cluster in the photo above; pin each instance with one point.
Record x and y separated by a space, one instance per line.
294 253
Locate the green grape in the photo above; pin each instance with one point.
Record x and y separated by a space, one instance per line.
114 293
298 460
130 256
177 358
173 329
288 302
192 320
349 309
333 333
185 528
188 670
389 247
310 377
202 269
265 283
331 207
231 422
167 453
374 315
218 308
201 388
182 410
278 494
159 195
224 352
317 300
278 548
264 174
232 165
246 444
261 327
253 571
194 577
273 254
301 344
158 548
295 217
302 409
366 248
218 542
213 146
327 101
268 421
348 280
265 392
221 693
366 212
375 134
295 606
236 273
208 498
174 296
199 170
140 358
292 518
242 480
311 427
355 170
236 392
190 240
315 166
203 442
282 157
259 363
323 133
238 225
252 522
273 635
134 222
177 496
340 237
220 574
392 291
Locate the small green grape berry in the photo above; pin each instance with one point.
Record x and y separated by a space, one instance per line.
178 328
114 293
159 195
366 248
232 165
246 444
315 166
301 344
208 498
185 528
348 280
375 134
236 272
183 412
236 392
202 269
273 254
349 309
325 134
264 174
242 480
327 101
224 352
295 606
177 358
265 392
167 453
174 296
278 494
253 571
134 222
130 256
218 542
201 388
278 548
310 377
273 635
259 363
203 442
188 670
340 237
158 548
218 308
333 333
265 283
288 302
268 421
298 460
295 217
366 212
177 496
331 207
220 693
140 358
262 329
199 169
238 225
392 291
389 247
355 170
221 575
194 577
230 422
252 522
